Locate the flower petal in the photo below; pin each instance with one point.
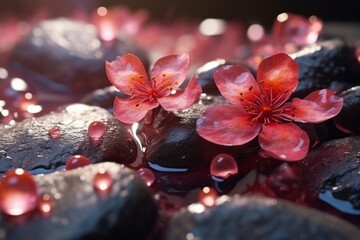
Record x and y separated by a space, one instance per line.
235 83
278 73
317 107
226 125
182 98
130 110
169 73
126 72
284 141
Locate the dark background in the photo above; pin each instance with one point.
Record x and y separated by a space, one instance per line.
248 11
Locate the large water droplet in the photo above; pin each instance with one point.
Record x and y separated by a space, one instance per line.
207 196
102 181
77 161
18 192
223 166
45 204
96 130
55 132
147 175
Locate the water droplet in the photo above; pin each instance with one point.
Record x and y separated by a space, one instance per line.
207 196
96 130
45 204
223 166
18 192
77 161
147 175
55 132
102 181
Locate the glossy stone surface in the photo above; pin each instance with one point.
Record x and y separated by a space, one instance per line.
27 144
68 55
348 119
78 212
326 64
331 177
257 218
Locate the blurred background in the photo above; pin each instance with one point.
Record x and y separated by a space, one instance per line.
247 11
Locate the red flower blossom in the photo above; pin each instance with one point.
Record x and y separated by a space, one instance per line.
127 73
262 108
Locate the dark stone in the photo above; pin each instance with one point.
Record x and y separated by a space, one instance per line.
328 64
128 211
348 119
66 55
28 145
331 175
257 218
173 146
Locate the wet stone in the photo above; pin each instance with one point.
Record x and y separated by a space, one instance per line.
128 211
65 54
179 156
331 176
257 218
28 145
348 119
326 64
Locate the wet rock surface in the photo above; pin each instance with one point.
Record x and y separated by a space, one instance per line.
326 64
67 55
128 210
173 146
28 144
257 218
331 175
348 119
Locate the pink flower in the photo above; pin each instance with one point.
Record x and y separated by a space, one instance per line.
262 108
127 73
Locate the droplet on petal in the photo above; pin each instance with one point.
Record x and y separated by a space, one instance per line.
207 196
18 192
77 161
55 132
147 175
223 166
102 181
45 204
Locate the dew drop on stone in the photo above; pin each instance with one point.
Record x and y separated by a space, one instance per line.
18 192
96 130
77 161
55 132
45 204
147 175
207 196
223 166
102 181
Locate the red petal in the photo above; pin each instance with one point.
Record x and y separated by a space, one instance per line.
317 107
226 125
278 73
236 83
182 98
126 72
170 72
284 141
130 111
